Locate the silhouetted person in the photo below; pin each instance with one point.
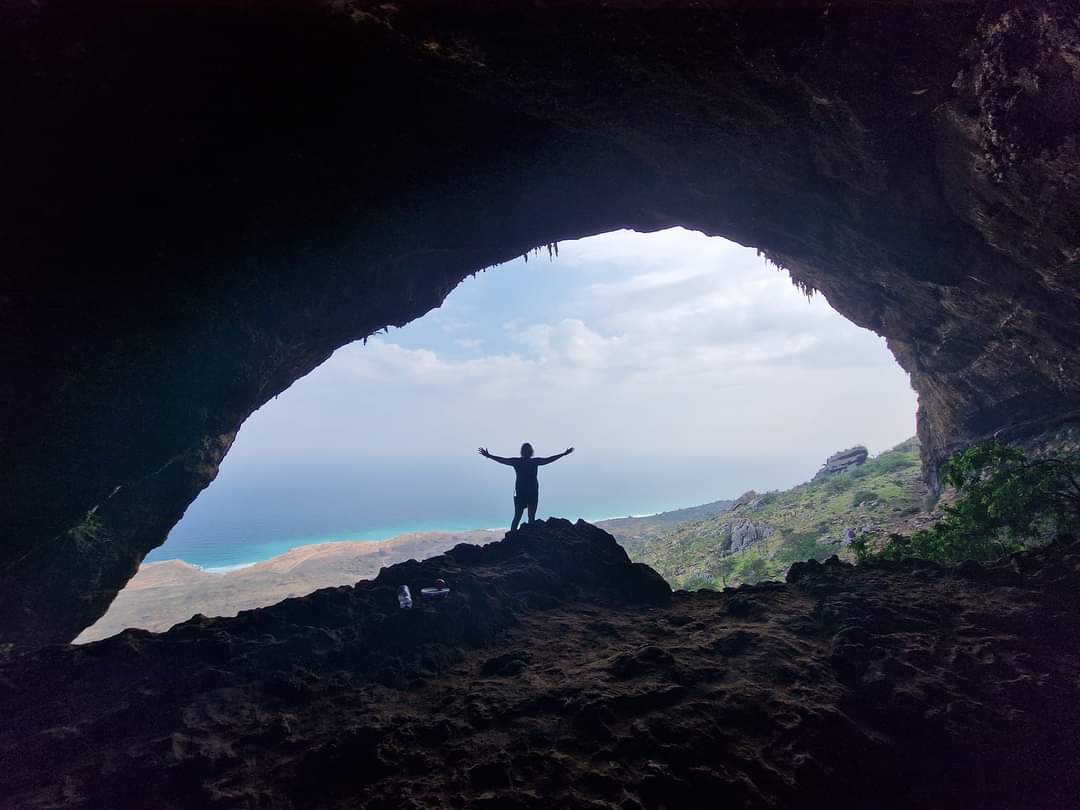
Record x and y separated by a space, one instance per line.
527 488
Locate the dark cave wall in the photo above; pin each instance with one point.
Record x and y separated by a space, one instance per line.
206 199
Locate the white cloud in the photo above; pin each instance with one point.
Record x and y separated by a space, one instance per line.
668 344
569 344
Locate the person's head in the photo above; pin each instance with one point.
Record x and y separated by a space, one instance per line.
526 450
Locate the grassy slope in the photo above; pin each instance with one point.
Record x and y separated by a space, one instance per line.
885 494
635 533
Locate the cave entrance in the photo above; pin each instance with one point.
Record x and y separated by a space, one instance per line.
179 262
682 367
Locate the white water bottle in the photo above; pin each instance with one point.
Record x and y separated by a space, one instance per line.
404 598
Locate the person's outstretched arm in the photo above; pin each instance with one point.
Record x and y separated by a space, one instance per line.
550 459
500 459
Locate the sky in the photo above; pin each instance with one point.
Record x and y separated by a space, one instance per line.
682 368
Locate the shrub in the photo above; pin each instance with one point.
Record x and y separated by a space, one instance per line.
838 483
884 464
890 462
1005 502
766 499
753 570
698 582
864 496
863 550
800 546
89 532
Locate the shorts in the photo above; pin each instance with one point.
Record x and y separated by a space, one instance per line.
527 499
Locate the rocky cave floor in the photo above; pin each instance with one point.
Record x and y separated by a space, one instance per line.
558 674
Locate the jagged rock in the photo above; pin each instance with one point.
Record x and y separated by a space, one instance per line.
847 536
741 532
748 500
892 686
843 461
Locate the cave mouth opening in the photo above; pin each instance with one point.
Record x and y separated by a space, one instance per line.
682 367
236 234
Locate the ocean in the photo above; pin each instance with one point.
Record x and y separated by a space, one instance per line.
252 514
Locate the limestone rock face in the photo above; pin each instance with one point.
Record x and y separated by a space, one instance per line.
843 461
192 221
738 532
742 532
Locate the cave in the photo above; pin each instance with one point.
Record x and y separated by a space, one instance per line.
205 198
205 201
623 317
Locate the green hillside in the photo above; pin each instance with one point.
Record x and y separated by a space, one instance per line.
762 535
635 533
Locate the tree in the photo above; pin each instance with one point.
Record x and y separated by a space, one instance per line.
1005 502
755 571
724 569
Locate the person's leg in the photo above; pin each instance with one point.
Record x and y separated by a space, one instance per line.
532 511
519 507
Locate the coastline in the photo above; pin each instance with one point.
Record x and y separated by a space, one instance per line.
273 549
165 592
248 555
323 545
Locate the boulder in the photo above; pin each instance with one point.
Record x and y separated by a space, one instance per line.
842 462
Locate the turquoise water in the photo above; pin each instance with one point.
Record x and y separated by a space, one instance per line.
381 440
217 557
248 516
236 525
216 553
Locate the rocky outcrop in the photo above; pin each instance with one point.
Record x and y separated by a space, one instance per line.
193 222
843 461
849 534
742 532
558 675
